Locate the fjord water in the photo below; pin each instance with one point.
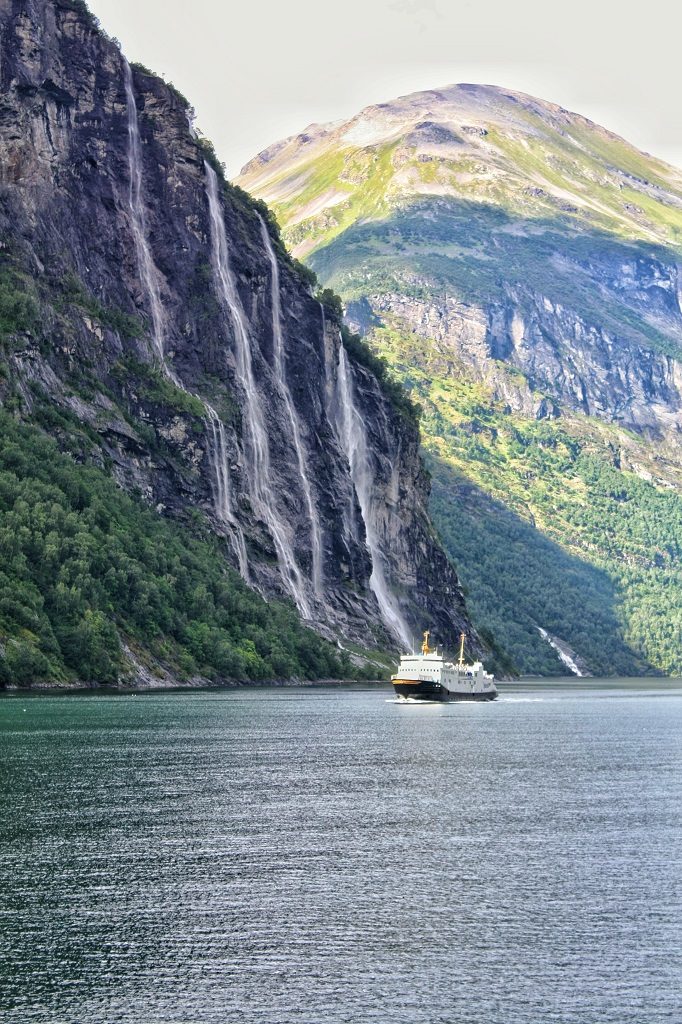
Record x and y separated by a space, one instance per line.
324 855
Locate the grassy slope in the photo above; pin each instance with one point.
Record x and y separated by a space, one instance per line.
593 181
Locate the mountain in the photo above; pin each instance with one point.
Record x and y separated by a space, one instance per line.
519 269
153 325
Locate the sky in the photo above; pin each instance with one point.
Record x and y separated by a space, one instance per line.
257 71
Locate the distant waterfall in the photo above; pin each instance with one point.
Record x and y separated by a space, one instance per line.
280 370
223 495
337 413
147 269
565 658
354 440
343 414
259 470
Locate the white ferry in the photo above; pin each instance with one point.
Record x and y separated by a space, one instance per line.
428 677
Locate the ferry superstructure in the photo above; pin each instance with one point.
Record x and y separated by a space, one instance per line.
429 677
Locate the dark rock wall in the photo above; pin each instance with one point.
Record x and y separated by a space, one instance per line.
565 358
66 227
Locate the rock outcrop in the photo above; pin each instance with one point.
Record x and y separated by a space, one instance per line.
562 358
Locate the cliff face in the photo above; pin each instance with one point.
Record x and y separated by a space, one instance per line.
565 359
164 315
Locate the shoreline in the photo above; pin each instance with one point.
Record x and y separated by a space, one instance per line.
186 686
206 686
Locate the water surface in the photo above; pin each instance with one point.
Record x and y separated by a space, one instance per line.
315 856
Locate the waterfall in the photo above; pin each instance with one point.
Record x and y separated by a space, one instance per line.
336 415
292 415
565 657
337 412
147 269
223 490
344 416
149 277
259 474
190 113
353 437
328 369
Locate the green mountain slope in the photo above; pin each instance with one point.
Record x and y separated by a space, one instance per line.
518 268
552 523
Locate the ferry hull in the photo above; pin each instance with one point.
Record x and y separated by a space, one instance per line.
426 691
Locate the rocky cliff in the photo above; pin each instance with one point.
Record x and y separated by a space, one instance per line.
161 311
564 358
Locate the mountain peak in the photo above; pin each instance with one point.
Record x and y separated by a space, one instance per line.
478 143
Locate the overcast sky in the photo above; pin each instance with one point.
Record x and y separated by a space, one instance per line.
258 70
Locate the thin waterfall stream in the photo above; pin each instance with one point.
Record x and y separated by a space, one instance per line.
223 496
353 437
294 421
259 468
336 414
